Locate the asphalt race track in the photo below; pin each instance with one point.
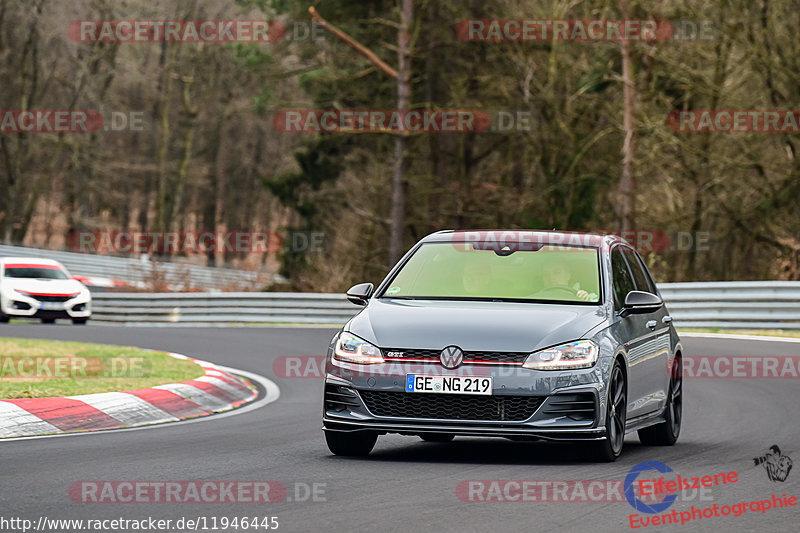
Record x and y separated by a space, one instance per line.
406 484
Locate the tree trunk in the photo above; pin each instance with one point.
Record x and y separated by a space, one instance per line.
397 221
625 189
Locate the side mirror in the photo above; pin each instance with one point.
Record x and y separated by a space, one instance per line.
359 294
640 302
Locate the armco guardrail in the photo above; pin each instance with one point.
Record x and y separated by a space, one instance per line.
756 305
138 272
222 308
734 304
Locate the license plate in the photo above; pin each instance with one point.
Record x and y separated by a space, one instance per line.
449 384
51 306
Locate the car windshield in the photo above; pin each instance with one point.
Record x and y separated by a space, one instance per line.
453 271
40 272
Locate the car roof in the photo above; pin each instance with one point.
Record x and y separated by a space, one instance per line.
34 261
566 238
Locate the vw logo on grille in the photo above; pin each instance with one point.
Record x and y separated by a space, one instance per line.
451 357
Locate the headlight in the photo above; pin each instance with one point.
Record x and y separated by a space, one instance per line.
578 354
352 349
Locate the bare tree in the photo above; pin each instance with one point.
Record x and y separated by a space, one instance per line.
403 75
625 189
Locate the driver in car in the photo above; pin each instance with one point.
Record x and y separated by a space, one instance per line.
556 274
476 278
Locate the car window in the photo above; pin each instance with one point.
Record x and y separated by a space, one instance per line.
623 282
34 272
547 273
640 277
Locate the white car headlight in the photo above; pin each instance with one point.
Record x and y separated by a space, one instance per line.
352 349
578 354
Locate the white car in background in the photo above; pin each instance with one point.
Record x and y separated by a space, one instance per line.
43 289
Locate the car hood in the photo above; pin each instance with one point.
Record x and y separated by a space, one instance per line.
43 286
473 326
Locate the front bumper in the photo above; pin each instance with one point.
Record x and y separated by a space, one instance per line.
18 305
561 405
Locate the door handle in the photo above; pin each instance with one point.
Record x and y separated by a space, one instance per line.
667 319
651 324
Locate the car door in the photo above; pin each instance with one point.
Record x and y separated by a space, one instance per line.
635 336
656 345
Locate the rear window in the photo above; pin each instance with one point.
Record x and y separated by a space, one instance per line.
554 273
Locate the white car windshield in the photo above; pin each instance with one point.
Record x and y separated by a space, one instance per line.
35 271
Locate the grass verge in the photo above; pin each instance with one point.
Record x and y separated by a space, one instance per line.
40 368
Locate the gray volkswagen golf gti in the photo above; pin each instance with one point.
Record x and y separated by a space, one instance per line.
516 334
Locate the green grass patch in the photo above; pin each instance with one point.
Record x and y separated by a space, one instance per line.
41 368
764 332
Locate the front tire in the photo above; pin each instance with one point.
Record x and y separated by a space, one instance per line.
79 321
48 321
608 449
667 432
351 444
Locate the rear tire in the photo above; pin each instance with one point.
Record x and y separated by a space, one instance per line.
608 449
48 321
667 432
79 321
4 319
437 437
351 444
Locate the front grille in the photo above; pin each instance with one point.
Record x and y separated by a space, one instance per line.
43 298
339 398
579 406
433 355
497 357
450 406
